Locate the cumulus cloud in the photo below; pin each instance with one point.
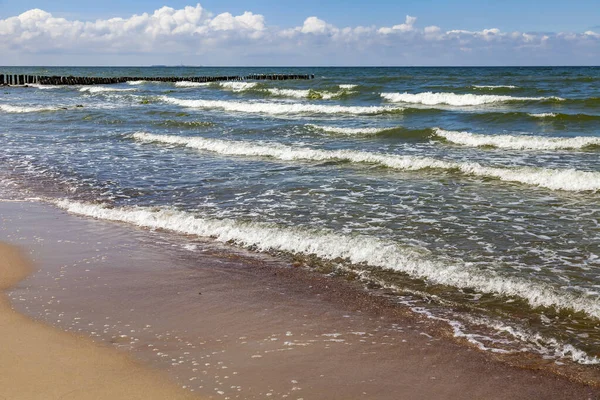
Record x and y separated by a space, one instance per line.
194 35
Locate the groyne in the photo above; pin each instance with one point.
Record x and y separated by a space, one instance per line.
21 80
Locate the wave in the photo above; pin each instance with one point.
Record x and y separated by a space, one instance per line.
554 179
543 115
191 84
329 245
495 87
185 124
238 86
517 142
43 87
102 89
453 99
308 93
279 108
400 131
27 109
349 131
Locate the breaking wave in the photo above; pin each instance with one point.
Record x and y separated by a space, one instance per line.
279 108
311 93
491 87
349 131
191 84
238 86
102 89
517 142
378 253
554 179
453 99
27 109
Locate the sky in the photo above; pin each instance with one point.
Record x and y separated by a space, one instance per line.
302 32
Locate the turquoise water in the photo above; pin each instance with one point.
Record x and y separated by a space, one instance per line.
471 193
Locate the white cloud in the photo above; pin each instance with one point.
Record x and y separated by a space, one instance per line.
196 36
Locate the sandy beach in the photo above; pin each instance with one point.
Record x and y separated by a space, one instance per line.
41 362
223 323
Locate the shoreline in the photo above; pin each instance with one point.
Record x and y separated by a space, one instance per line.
41 362
246 321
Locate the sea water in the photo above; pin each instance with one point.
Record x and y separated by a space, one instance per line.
472 195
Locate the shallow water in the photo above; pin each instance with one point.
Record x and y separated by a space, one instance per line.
472 192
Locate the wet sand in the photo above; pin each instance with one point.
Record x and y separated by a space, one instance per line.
230 324
41 362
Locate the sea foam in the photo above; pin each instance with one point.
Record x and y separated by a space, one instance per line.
278 108
349 131
26 109
191 84
356 249
494 86
102 89
517 142
453 99
308 93
237 86
554 179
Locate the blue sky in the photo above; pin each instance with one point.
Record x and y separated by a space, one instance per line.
523 15
302 32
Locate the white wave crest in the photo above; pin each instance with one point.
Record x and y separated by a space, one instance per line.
544 345
133 83
278 108
453 99
191 84
517 142
356 249
554 179
306 93
26 109
43 87
237 86
348 131
494 86
347 86
543 115
102 89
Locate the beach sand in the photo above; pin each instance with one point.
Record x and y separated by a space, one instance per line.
41 362
224 323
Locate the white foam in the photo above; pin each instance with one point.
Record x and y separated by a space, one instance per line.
543 115
356 249
306 93
237 86
43 87
347 86
26 109
565 179
348 131
495 86
517 142
453 99
133 83
102 89
295 93
191 84
278 108
544 345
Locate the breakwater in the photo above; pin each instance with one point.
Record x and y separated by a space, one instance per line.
16 79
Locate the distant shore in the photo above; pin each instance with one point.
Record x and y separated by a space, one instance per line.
224 324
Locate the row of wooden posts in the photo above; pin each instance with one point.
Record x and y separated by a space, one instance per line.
12 79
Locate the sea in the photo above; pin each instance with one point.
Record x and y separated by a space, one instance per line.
469 195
